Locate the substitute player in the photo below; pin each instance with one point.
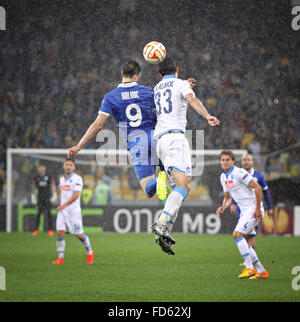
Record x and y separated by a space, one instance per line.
247 164
46 195
69 217
237 183
172 96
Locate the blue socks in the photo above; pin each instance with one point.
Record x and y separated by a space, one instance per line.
151 187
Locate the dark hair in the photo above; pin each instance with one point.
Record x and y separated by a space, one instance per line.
131 68
167 67
228 153
70 159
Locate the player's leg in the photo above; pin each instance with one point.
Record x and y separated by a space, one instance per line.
37 222
76 228
174 152
148 184
240 232
246 226
141 158
243 248
256 262
60 247
176 197
173 203
261 273
86 244
151 184
47 212
60 241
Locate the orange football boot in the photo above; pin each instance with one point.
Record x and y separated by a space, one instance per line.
59 261
90 258
50 232
258 276
35 233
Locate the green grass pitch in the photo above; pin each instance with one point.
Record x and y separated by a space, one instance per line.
132 268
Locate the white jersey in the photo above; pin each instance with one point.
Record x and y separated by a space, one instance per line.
171 105
67 187
236 182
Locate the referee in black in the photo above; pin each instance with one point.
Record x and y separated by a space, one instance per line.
46 194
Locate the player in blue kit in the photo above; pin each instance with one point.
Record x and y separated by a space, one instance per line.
132 106
247 164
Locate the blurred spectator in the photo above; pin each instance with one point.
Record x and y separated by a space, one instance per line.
103 194
55 71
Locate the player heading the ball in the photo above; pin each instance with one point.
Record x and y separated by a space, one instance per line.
172 96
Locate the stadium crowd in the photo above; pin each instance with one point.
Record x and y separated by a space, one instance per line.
55 73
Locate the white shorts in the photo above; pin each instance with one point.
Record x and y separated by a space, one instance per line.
247 222
70 221
174 151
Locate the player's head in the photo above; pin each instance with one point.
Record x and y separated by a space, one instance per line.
41 170
131 70
69 166
227 159
167 67
247 161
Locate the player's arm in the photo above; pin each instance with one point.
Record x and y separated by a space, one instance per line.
267 195
92 131
226 203
258 194
75 195
197 105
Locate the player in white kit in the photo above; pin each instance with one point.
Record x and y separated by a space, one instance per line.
69 217
238 184
172 96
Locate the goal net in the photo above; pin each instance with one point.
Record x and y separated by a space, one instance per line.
112 199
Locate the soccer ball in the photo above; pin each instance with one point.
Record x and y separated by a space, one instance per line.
154 52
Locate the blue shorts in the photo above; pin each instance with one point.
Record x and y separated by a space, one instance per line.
142 153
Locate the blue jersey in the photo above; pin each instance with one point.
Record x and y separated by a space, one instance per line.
260 179
132 106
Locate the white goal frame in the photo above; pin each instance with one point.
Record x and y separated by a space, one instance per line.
9 167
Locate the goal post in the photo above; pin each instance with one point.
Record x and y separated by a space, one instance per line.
18 184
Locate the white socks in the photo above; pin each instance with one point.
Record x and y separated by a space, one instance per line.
87 245
249 255
255 261
171 208
243 247
60 247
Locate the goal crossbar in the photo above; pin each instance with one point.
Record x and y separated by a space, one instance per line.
18 151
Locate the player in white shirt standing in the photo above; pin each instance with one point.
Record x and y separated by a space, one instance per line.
172 96
238 184
69 217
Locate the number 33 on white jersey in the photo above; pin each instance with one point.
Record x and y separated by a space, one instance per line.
171 105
